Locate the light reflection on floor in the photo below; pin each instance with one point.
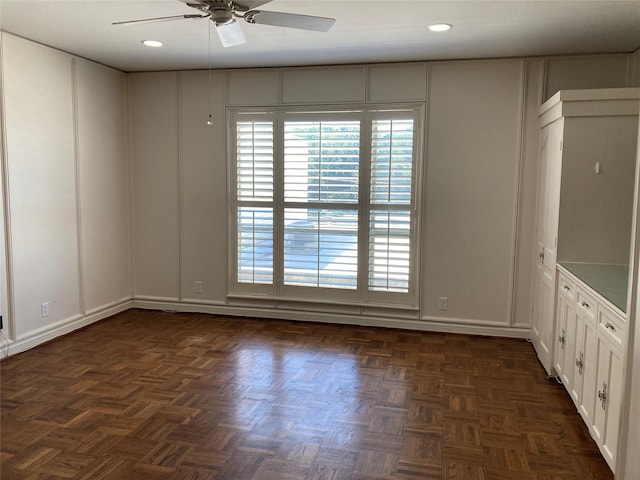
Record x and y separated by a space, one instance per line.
290 394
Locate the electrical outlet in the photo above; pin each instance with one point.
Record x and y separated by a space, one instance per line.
44 309
198 287
443 303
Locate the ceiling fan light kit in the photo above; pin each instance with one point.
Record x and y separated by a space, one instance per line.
230 34
223 14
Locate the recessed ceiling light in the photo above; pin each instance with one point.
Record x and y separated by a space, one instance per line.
440 27
152 43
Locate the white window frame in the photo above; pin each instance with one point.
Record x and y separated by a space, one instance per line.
362 295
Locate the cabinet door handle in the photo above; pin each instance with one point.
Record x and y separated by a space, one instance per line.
585 304
602 395
566 287
561 338
610 326
580 363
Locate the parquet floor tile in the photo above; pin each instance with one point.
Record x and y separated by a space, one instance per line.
157 395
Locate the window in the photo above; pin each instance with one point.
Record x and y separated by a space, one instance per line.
321 196
324 204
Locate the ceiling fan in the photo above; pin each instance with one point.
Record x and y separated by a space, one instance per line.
223 13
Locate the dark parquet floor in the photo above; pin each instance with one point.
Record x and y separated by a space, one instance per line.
154 395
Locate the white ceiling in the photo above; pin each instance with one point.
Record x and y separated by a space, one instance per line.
365 31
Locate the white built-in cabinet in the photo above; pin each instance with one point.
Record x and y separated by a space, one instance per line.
588 149
588 358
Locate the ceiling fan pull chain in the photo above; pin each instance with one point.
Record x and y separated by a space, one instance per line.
210 120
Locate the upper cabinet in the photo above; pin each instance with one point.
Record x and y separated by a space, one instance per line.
599 144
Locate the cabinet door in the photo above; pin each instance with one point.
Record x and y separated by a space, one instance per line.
548 201
589 369
575 390
606 417
565 350
560 354
570 348
549 204
543 317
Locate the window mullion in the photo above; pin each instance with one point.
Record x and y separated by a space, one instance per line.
364 204
278 202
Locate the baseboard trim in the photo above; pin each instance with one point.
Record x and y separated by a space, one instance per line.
40 336
424 324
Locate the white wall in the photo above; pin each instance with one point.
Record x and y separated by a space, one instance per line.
66 190
7 318
473 156
41 184
526 234
203 187
180 178
103 174
479 193
587 71
471 193
153 100
80 213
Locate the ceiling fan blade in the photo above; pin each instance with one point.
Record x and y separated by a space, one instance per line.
290 20
230 34
160 19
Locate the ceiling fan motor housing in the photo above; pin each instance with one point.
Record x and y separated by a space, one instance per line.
221 17
221 11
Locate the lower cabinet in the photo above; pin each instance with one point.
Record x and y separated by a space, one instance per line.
606 417
586 307
575 355
588 359
565 330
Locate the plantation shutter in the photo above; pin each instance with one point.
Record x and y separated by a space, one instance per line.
321 193
254 195
392 158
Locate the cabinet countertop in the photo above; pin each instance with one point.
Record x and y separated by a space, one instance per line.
610 281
